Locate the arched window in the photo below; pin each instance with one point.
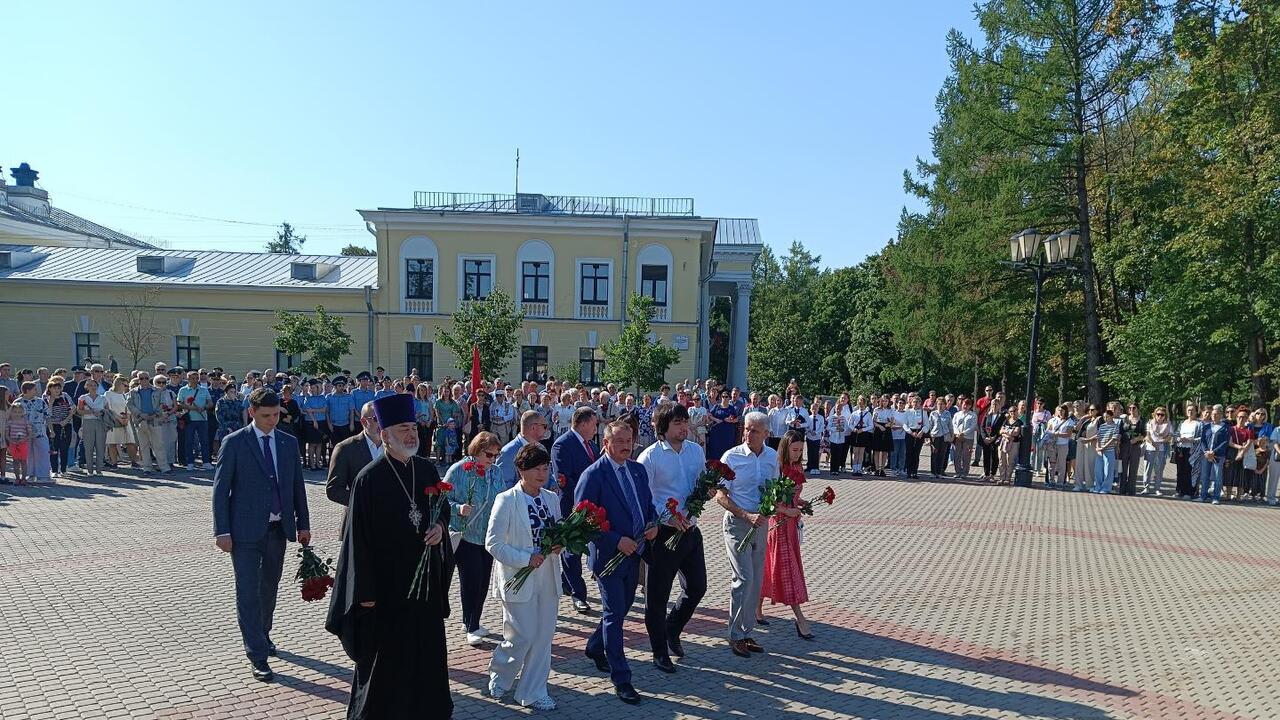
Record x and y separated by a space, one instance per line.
654 266
535 278
419 273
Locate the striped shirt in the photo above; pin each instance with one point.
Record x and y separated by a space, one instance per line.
1107 432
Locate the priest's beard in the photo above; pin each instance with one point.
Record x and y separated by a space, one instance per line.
399 449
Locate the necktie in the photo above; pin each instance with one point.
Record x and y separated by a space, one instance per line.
591 454
271 474
633 505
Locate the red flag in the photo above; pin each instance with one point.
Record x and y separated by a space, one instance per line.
475 372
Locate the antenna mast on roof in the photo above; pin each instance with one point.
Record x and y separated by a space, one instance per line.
517 171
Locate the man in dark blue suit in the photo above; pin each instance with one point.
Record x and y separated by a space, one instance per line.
620 485
571 454
259 503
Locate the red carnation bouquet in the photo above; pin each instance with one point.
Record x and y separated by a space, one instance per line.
437 498
778 490
828 497
714 475
313 574
469 467
572 533
669 512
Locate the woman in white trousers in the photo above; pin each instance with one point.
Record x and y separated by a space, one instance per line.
528 614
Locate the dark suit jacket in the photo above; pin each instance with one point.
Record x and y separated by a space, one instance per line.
242 488
349 458
600 484
480 421
569 458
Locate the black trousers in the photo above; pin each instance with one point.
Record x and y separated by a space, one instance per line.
474 567
839 451
939 454
1182 462
913 454
990 456
812 450
687 560
59 447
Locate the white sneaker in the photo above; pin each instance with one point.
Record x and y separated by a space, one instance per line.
1215 502
475 639
543 703
814 472
482 631
495 691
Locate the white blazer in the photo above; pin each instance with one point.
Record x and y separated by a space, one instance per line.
509 540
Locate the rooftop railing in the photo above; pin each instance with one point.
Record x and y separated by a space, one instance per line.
536 204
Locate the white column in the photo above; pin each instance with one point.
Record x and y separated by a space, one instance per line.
704 331
741 321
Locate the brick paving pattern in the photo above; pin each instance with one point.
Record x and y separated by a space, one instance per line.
932 600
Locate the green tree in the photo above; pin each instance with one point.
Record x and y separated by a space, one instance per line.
354 250
287 242
493 325
632 360
321 338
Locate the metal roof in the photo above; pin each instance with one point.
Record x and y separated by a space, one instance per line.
193 267
60 219
738 231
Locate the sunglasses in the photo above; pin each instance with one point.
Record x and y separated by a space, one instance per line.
490 455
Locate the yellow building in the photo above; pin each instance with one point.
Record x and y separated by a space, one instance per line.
570 262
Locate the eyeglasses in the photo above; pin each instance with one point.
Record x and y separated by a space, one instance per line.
491 455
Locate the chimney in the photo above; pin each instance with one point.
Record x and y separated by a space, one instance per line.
24 195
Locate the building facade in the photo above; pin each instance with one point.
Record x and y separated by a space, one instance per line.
570 263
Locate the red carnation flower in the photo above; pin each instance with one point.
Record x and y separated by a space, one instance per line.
430 490
469 466
604 526
582 505
672 504
444 486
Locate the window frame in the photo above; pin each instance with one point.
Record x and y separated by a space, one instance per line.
416 360
430 286
91 348
545 363
666 284
179 349
595 279
463 274
595 358
541 274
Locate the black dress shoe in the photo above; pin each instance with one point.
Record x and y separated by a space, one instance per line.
673 643
739 648
261 671
581 606
803 636
752 645
761 621
664 664
627 694
602 662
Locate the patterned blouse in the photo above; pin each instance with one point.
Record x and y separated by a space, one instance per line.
539 516
37 410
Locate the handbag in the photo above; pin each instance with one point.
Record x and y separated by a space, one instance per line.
1247 457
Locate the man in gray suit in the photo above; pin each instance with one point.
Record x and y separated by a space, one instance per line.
349 458
259 504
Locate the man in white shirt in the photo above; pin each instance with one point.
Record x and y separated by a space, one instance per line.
964 425
754 463
502 417
777 424
940 435
673 465
914 421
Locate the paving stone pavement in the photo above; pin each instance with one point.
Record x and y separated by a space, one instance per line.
931 600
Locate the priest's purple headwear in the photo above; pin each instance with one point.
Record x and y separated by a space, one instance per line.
394 409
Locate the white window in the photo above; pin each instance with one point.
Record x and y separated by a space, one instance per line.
419 260
475 276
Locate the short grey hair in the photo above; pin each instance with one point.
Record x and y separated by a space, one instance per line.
756 418
528 419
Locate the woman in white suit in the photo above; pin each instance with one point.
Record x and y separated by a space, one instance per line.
528 614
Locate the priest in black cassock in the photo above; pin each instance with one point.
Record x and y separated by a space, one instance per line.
397 642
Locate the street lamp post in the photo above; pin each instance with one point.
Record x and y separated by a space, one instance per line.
1041 256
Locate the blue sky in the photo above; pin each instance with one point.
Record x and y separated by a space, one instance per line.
803 116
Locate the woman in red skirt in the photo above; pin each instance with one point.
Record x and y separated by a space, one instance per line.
783 570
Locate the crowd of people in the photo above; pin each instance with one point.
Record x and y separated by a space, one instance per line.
516 458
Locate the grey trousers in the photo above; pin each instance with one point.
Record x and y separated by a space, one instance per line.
258 566
747 568
93 434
